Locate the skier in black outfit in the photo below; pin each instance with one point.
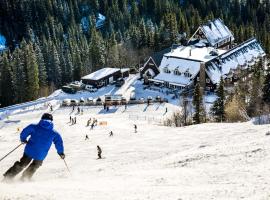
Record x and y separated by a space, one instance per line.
92 126
86 137
99 152
111 134
135 128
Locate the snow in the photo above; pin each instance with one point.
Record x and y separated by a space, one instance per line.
174 79
194 53
216 31
182 65
97 75
100 20
244 55
208 161
85 24
2 42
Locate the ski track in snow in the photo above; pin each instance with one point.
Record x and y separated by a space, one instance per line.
208 161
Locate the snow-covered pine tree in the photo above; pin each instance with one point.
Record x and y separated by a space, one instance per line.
56 68
42 74
218 108
97 49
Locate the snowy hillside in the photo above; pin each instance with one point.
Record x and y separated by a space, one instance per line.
209 161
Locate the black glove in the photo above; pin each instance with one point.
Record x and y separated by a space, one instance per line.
24 142
62 155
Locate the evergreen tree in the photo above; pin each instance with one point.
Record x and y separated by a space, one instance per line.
266 88
218 109
7 89
19 76
97 50
255 100
31 73
42 73
199 115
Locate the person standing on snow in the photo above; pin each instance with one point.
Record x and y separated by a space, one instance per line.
135 128
86 137
40 138
111 134
99 152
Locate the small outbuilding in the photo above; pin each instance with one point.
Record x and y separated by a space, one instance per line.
104 76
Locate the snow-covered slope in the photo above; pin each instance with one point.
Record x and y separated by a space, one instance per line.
209 161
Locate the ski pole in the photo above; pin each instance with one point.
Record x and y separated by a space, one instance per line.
66 165
11 151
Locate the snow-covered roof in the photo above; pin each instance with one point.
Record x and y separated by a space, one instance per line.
173 79
125 70
201 54
182 65
216 31
243 55
97 75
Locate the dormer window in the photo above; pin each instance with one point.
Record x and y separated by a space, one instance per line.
166 70
187 74
177 72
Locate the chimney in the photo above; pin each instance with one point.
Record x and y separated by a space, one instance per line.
202 75
210 24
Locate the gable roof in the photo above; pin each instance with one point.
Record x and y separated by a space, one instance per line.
244 54
216 31
97 75
157 57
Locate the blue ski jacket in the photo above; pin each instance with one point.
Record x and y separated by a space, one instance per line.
41 137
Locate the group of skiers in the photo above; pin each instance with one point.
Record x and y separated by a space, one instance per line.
93 124
72 120
79 111
38 139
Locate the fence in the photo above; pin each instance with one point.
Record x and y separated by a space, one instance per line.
149 119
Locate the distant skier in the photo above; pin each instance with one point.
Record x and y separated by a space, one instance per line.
166 110
135 128
51 107
78 109
86 137
111 134
75 120
108 108
99 152
92 126
88 122
38 139
70 119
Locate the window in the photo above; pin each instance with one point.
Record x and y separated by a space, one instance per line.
166 70
187 74
176 72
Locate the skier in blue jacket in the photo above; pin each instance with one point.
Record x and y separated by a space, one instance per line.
40 136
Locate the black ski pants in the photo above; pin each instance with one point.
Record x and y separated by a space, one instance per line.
20 165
